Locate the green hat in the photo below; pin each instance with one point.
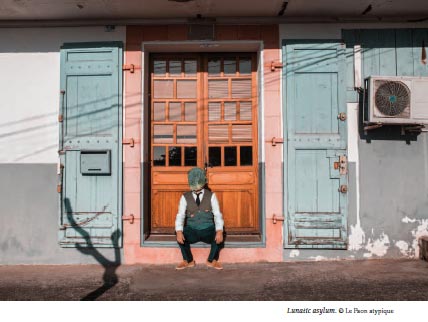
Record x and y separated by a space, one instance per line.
196 177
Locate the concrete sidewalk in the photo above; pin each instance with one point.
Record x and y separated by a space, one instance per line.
369 280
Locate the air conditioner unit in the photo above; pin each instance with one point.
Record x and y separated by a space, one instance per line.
397 100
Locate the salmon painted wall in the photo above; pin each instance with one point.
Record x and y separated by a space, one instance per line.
269 110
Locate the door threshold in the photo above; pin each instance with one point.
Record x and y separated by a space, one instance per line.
241 238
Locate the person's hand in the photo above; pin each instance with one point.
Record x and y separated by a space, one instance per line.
180 237
219 236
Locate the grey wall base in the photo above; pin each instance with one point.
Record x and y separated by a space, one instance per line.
29 218
393 209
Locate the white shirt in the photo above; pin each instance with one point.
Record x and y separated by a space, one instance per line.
181 215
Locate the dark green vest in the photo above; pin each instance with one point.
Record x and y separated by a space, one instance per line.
199 217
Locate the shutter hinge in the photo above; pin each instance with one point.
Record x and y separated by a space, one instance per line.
131 218
60 175
60 118
276 218
275 65
129 142
131 68
275 141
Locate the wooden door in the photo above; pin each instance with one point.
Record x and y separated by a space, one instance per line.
90 144
204 113
317 141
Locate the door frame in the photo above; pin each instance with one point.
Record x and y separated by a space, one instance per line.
153 47
284 43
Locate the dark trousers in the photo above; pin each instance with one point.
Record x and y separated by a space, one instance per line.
192 236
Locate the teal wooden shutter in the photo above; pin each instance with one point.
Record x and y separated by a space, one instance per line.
90 145
315 92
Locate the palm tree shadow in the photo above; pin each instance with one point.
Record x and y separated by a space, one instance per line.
110 278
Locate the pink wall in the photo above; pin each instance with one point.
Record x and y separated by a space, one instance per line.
135 36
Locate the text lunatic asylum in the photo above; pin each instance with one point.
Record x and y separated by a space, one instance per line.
309 310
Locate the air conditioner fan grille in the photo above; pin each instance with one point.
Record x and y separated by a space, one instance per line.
392 97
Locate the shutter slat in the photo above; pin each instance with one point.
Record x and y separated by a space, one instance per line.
214 111
218 133
245 111
241 88
241 133
218 88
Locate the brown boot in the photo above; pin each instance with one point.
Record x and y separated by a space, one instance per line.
185 264
215 264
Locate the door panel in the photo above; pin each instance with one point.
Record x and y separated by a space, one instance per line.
315 88
85 114
90 144
231 129
204 114
175 133
317 113
240 201
315 181
165 205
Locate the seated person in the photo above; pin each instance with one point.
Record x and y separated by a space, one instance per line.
199 219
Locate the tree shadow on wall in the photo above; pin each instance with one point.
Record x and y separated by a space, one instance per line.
110 278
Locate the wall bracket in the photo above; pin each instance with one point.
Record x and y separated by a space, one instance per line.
276 218
129 218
